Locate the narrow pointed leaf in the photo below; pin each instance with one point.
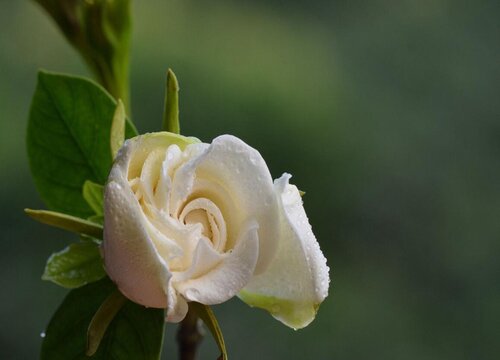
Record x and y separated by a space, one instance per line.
86 238
206 314
117 129
77 265
171 110
66 222
93 194
135 332
101 320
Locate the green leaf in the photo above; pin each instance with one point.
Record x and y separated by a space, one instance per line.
94 196
75 266
68 140
101 320
66 222
171 109
117 129
206 314
98 219
86 238
135 333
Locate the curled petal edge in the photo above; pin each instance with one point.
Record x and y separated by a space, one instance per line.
230 275
297 280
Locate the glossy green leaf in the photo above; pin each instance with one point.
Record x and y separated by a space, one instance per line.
75 266
68 140
117 129
101 320
66 222
94 196
171 109
135 333
206 314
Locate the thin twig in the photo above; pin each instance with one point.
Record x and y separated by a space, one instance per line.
189 336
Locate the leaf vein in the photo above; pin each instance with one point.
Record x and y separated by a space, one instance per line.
63 119
58 155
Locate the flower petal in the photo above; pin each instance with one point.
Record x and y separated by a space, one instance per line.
204 259
130 257
177 306
249 193
133 161
297 280
229 275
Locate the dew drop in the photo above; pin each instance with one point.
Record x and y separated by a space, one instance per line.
42 334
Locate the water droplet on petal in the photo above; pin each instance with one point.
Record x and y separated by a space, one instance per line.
42 334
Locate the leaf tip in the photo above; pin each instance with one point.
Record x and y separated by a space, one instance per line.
89 348
44 75
171 108
172 83
120 106
30 212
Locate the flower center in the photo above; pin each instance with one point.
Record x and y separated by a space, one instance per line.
203 211
176 223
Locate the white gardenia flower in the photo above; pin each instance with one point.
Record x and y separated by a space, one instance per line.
188 221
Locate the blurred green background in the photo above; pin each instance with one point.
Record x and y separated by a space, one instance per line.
386 112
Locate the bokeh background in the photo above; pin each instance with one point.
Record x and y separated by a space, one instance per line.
386 112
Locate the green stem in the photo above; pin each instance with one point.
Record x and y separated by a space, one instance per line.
100 32
115 81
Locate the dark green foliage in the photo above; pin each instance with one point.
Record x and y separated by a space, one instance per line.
68 140
76 265
136 333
